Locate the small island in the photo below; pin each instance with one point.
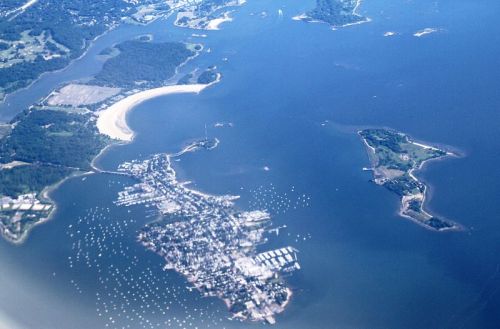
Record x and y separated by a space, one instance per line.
337 13
395 158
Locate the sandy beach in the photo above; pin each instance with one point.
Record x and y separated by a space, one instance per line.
113 120
213 24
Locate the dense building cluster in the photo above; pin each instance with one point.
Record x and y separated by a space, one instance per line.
16 214
207 240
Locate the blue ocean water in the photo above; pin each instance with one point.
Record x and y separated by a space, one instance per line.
295 93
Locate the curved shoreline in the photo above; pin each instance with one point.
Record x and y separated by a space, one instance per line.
89 44
405 209
112 121
304 17
45 196
214 24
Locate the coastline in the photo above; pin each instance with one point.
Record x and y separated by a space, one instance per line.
45 197
455 227
405 200
159 174
71 62
305 18
89 45
112 121
214 24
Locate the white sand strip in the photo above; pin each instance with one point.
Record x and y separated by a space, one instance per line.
112 121
28 4
425 31
215 23
428 147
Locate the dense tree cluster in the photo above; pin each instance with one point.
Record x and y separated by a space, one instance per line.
52 137
185 80
20 75
53 143
143 62
415 205
404 185
32 178
335 12
72 23
438 223
207 77
383 137
391 146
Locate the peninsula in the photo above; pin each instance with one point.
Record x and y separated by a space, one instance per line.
60 136
395 158
202 14
206 239
43 36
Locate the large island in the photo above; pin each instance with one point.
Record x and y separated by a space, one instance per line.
395 158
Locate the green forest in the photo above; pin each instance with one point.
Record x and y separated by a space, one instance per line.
52 137
335 12
32 178
142 62
54 143
72 23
